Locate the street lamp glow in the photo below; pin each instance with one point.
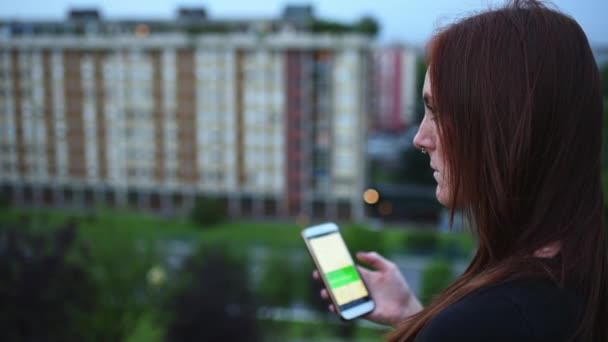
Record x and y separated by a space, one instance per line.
371 196
385 208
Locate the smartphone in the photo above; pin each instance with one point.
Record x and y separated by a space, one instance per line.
346 288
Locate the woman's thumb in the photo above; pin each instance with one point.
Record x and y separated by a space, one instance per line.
374 260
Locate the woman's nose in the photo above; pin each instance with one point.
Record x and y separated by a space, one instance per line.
423 138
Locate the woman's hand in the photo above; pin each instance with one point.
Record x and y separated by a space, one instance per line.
391 293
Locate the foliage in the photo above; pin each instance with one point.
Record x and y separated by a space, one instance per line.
211 301
208 211
422 241
314 299
359 238
346 330
278 279
119 254
366 25
285 280
415 168
435 278
379 173
147 330
42 287
196 29
119 266
123 249
329 26
456 245
4 201
421 67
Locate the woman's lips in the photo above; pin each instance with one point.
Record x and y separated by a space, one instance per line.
435 173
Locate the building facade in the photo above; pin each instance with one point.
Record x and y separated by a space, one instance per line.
394 82
272 125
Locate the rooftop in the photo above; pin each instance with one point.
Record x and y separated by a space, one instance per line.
191 20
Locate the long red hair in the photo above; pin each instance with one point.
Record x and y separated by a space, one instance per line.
518 103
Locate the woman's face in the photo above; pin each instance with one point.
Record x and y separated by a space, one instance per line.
427 139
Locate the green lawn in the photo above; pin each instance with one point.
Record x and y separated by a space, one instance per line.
104 223
123 248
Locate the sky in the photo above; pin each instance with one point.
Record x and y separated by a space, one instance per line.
405 21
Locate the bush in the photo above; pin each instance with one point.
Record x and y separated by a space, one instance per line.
313 299
119 265
360 239
212 301
208 211
435 278
5 203
456 245
415 168
277 282
45 294
368 25
422 241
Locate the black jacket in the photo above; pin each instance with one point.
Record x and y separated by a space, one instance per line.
519 310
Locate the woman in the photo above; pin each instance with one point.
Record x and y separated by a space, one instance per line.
512 127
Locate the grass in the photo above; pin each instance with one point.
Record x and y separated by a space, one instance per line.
125 247
244 233
104 224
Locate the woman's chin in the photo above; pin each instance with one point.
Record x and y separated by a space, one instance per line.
442 196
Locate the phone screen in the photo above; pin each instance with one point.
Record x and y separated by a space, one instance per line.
339 270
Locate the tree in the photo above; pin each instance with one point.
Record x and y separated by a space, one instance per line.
368 25
278 271
435 278
208 211
213 301
415 168
328 26
46 294
421 67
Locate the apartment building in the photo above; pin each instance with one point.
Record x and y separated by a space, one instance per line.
272 123
394 82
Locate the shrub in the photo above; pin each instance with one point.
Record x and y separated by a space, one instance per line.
119 266
45 294
208 211
456 245
435 278
211 301
277 282
314 300
414 168
5 203
359 238
421 241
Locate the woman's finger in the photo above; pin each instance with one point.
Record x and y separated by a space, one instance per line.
324 294
365 273
375 260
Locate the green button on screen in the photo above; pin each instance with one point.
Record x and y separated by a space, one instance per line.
343 276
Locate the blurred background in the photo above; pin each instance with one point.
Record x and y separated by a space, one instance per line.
158 161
